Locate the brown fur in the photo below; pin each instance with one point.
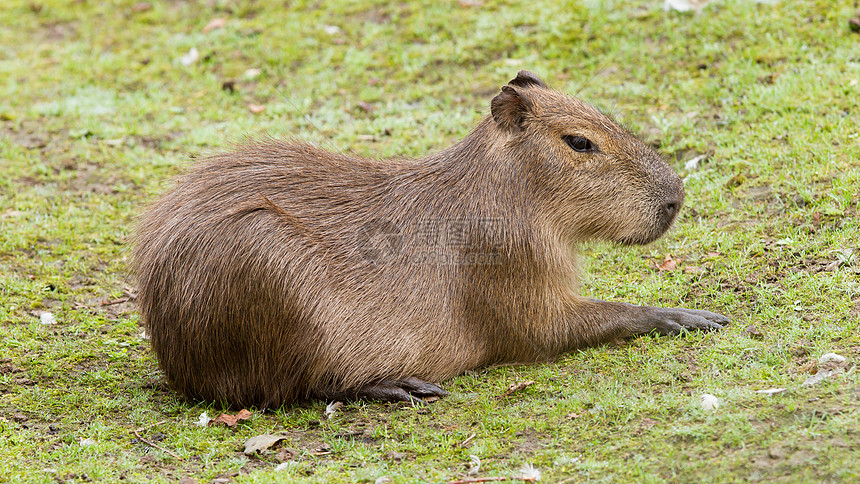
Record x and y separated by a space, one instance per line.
279 271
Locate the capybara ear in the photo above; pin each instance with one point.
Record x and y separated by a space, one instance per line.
509 108
526 79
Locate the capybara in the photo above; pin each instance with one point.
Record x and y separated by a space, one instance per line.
278 271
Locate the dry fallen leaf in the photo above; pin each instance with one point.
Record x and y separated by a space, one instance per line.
232 420
261 442
215 23
141 7
669 264
256 108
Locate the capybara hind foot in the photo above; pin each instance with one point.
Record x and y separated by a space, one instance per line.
408 389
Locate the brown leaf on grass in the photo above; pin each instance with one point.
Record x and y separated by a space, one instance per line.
261 442
215 23
669 264
816 219
516 387
366 107
714 254
694 270
753 332
141 7
231 420
256 108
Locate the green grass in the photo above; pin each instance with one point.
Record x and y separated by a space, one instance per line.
97 113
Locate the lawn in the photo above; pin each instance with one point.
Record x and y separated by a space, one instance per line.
754 104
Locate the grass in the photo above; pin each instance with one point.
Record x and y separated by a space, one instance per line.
97 113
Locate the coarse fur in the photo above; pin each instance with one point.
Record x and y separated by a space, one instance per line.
279 271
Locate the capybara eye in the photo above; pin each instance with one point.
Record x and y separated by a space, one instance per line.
578 143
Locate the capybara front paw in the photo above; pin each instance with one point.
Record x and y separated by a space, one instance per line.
671 321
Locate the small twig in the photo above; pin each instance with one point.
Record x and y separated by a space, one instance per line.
116 301
478 479
156 424
137 432
463 443
515 387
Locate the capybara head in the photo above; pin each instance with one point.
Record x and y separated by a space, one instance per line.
597 179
